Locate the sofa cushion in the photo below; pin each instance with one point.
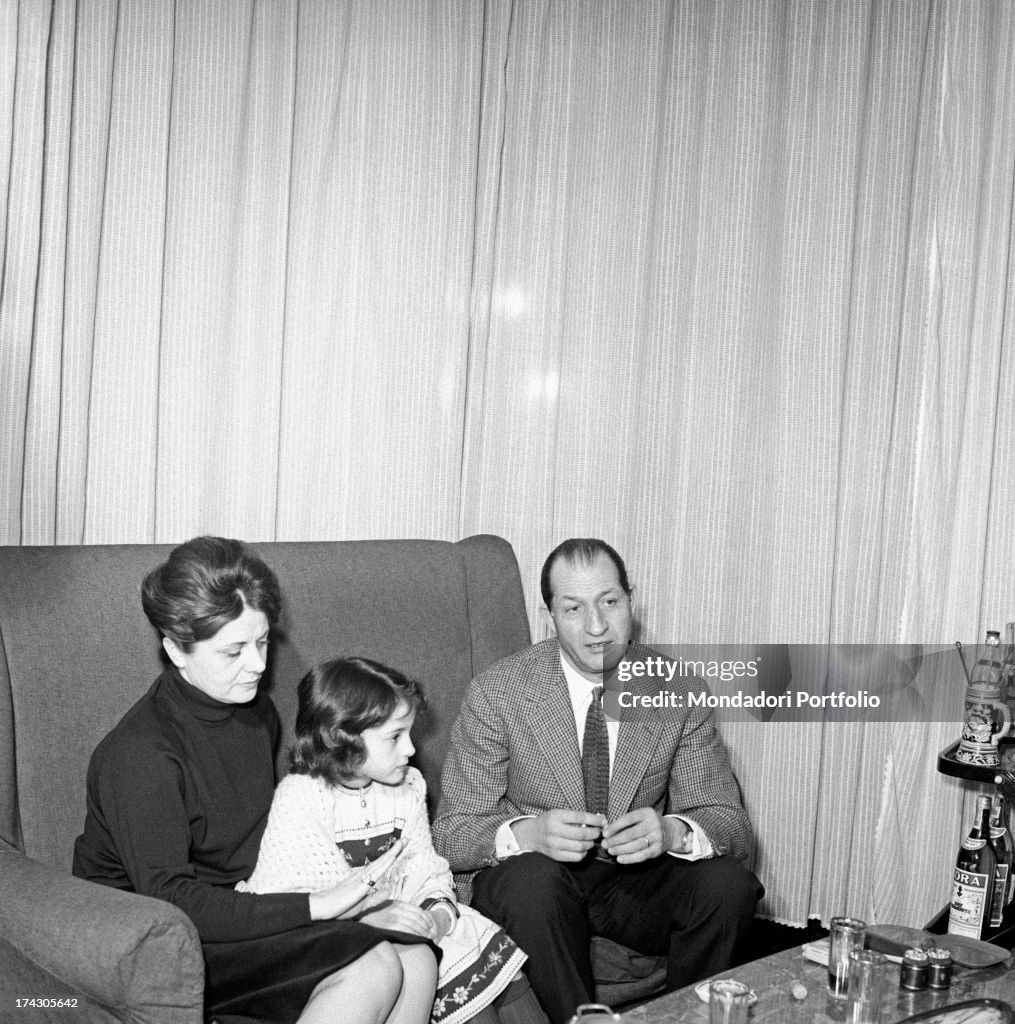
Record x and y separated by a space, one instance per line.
622 975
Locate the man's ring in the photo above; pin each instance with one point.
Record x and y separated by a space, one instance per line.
369 881
648 842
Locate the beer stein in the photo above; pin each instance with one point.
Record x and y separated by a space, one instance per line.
986 718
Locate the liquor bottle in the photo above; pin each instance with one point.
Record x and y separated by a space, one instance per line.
973 879
1001 841
987 670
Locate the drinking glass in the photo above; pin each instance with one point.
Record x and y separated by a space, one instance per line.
866 982
846 936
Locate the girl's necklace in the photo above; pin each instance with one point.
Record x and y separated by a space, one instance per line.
361 794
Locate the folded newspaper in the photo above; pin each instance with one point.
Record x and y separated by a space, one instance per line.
817 952
893 940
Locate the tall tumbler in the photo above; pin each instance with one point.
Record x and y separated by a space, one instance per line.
847 936
866 983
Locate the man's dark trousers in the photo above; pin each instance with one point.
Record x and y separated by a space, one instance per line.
693 912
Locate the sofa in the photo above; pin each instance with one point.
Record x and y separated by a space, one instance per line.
76 651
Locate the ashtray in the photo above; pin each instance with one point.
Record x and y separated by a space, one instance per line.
703 992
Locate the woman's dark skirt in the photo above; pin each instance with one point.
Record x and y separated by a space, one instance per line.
270 979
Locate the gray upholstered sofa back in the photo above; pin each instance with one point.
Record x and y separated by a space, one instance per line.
76 650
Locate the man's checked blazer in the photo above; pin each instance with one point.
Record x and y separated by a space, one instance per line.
514 752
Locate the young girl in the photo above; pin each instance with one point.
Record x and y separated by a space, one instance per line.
349 797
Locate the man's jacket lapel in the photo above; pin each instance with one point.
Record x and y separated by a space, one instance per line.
636 743
551 720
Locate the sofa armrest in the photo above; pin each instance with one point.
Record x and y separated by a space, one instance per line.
138 956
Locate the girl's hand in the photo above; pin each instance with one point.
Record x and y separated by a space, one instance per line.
443 922
401 917
354 893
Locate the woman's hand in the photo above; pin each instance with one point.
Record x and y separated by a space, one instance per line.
355 893
402 917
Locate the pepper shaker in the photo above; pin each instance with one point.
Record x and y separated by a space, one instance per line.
939 968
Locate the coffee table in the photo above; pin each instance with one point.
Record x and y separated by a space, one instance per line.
772 976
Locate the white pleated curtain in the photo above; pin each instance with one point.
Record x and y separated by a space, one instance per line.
724 282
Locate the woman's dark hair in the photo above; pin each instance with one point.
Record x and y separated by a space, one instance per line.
204 584
339 698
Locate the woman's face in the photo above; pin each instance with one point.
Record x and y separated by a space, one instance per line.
227 666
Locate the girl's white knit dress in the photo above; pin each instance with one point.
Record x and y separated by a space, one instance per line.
318 834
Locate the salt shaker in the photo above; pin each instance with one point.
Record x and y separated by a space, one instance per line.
914 971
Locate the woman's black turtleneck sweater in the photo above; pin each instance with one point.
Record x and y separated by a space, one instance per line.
178 795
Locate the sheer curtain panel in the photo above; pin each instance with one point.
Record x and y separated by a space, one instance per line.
727 283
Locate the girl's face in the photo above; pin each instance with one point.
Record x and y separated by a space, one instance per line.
388 748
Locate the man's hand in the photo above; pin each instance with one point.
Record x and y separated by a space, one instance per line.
560 835
644 834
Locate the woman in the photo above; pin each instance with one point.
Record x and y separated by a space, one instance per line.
178 795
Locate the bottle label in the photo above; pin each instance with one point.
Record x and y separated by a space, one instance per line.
973 844
998 900
970 900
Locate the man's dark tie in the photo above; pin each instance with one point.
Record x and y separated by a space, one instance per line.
596 757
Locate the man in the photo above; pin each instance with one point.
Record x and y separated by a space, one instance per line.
654 863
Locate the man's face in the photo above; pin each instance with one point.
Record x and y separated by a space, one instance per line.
591 615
